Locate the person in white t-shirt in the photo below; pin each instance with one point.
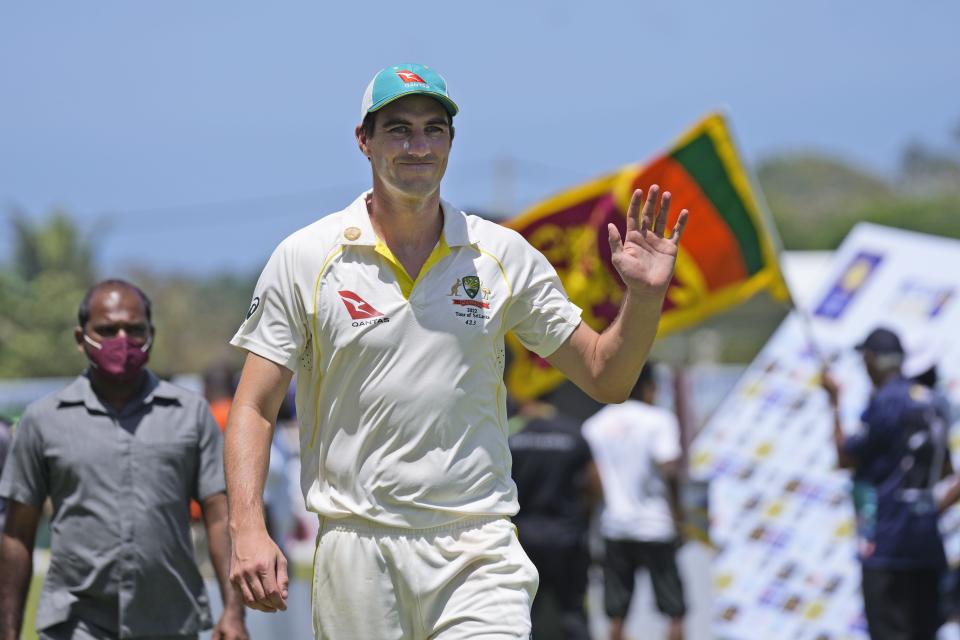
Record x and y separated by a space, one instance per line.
636 447
393 313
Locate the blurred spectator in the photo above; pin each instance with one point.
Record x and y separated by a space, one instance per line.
119 453
218 390
636 446
218 387
557 487
5 434
897 456
921 367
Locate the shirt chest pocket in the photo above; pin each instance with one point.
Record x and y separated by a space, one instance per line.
168 470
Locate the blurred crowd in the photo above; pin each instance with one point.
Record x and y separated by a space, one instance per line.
604 492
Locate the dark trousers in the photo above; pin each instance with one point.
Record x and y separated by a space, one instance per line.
76 629
622 559
558 610
902 604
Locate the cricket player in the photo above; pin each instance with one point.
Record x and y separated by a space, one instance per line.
392 313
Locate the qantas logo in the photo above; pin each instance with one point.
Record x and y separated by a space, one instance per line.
410 76
357 307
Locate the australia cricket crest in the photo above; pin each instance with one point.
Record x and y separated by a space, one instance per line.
471 285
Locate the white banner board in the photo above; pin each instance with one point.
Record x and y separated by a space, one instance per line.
781 513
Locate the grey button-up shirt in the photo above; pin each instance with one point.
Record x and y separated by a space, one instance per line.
5 435
121 553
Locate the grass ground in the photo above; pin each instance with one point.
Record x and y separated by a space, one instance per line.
29 632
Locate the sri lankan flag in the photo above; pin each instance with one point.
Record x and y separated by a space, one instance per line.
728 252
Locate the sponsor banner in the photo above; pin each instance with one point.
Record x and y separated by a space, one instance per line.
781 513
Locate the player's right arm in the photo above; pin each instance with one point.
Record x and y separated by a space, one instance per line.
16 558
257 567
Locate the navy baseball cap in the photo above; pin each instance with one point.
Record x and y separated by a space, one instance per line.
881 341
402 80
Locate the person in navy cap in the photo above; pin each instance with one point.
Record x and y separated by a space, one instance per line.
897 455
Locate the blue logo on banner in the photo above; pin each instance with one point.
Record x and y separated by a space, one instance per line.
851 281
921 300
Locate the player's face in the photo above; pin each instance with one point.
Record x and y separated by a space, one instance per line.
410 146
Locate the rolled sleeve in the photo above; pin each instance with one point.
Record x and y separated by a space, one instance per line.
24 477
210 478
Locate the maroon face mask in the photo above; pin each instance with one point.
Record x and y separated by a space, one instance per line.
120 359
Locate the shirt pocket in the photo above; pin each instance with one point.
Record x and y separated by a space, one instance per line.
165 472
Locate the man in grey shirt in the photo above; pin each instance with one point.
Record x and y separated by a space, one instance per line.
5 433
119 453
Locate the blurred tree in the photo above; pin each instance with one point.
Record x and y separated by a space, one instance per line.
54 245
816 200
195 318
52 266
807 191
937 215
925 170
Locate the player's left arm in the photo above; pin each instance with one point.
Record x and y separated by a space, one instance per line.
231 625
606 365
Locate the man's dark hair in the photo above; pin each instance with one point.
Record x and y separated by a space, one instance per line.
83 313
369 123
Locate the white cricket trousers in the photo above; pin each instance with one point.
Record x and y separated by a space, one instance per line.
470 579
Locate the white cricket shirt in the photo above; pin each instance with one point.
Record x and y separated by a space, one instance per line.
628 442
400 394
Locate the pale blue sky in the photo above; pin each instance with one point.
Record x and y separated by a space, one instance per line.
205 132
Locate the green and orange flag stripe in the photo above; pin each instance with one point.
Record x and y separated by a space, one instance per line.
728 253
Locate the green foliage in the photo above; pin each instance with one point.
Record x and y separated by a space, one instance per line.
939 215
53 265
194 319
816 200
56 245
39 293
807 193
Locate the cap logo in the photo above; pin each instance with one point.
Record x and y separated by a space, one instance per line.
410 76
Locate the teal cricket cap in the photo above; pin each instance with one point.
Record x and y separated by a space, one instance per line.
402 80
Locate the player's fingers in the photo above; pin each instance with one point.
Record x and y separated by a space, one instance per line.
649 211
283 579
241 585
633 211
661 224
256 587
259 606
271 591
680 226
613 237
